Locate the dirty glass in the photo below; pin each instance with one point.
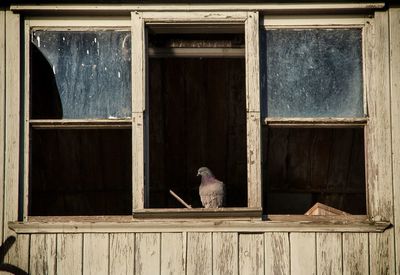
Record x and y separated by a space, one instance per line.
80 74
312 73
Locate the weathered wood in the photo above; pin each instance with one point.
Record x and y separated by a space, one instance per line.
315 122
2 114
12 85
394 16
311 20
329 253
378 131
199 253
251 254
223 212
69 254
225 253
277 253
271 7
138 191
43 254
80 124
147 253
381 253
122 248
96 254
302 252
173 253
355 253
18 255
138 63
254 182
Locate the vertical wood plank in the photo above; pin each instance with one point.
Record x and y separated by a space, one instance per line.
381 253
355 254
147 253
253 110
329 253
43 254
11 174
251 254
378 132
69 254
199 253
225 253
173 246
122 247
2 112
18 255
302 251
394 15
277 253
95 253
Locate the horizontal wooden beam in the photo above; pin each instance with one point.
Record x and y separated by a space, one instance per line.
263 7
330 224
196 52
80 123
315 122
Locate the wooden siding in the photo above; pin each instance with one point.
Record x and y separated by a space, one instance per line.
211 252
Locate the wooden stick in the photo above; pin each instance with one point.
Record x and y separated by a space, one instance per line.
179 199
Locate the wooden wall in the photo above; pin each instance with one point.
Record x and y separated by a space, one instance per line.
192 252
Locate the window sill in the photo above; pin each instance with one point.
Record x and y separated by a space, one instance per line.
128 224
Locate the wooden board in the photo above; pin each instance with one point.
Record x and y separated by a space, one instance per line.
394 16
225 253
277 253
173 253
95 254
122 248
329 253
11 167
251 254
69 254
43 254
355 254
147 253
302 252
2 113
381 253
199 253
18 254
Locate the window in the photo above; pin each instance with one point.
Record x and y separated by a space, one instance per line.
119 112
314 109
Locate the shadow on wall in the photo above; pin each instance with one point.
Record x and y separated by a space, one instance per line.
4 248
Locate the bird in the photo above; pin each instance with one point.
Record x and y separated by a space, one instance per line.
211 190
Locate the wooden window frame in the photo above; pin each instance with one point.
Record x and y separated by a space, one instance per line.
140 195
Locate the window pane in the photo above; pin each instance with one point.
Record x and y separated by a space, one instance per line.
80 74
80 172
305 166
312 73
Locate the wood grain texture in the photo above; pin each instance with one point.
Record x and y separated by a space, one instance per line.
277 253
381 253
43 254
2 112
173 253
147 253
199 253
18 255
11 176
329 253
302 252
251 254
378 130
355 254
394 15
122 248
254 160
225 253
138 161
96 254
69 254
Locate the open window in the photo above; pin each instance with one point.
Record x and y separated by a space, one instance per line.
314 112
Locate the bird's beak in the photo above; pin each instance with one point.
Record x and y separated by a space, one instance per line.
198 174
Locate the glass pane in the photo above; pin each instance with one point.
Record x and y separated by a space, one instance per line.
312 73
81 172
80 74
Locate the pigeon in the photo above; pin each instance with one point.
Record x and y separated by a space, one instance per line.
211 190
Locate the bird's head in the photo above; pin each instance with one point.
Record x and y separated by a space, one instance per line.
204 171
